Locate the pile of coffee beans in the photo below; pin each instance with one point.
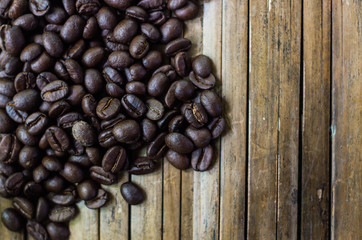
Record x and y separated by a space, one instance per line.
85 84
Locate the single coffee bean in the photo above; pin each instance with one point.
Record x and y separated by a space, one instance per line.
158 17
151 32
93 56
142 165
133 105
89 105
177 124
58 108
36 123
6 170
16 9
179 161
24 207
57 231
201 66
157 147
177 45
87 190
39 7
24 80
65 198
3 192
152 60
107 18
29 157
56 15
93 80
217 126
52 164
44 78
62 213
109 124
68 120
86 7
138 13
40 173
168 70
68 33
187 12
132 193
176 4
127 131
54 184
184 90
114 159
36 230
179 143
113 90
182 64
99 175
27 22
72 173
26 100
25 137
120 59
94 155
41 209
57 139
112 75
81 160
74 70
163 122
42 63
9 149
149 130
99 201
6 124
139 47
32 190
201 158
106 138
136 88
195 114
12 220
108 107
125 30
54 91
53 44
171 30
14 183
200 137
155 109
203 83
16 115
211 103
119 4
4 100
84 133
12 39
158 84
7 87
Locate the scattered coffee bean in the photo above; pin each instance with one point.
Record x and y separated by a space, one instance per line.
132 193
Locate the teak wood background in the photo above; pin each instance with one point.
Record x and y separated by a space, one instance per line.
290 163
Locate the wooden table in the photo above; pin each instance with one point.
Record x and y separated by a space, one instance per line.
290 164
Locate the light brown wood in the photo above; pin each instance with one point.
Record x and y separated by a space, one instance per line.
346 120
114 217
316 120
87 220
234 93
4 232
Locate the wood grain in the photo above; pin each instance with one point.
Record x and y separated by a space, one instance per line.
234 90
316 120
114 217
346 200
4 232
87 220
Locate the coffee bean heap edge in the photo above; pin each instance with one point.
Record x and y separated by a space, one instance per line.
83 86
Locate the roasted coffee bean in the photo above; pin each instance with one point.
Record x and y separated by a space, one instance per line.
54 184
137 13
6 170
56 15
195 114
52 164
136 72
136 87
24 80
176 4
106 138
29 157
9 149
81 160
68 33
211 103
36 230
87 190
74 70
163 122
24 207
76 93
94 155
77 49
17 8
202 83
58 108
36 123
41 210
119 4
139 47
171 30
99 175
26 100
158 84
93 56
12 220
125 30
217 126
152 60
53 44
151 32
27 22
72 173
3 192
201 66
112 75
155 109
99 201
65 198
57 139
3 101
184 90
168 70
17 116
44 78
84 133
158 17
109 124
157 147
179 143
127 131
179 161
108 107
133 106
25 137
201 158
120 59
40 173
42 63
89 105
55 91
132 193
93 80
177 124
39 7
7 87
142 165
187 12
14 183
6 124
200 137
113 90
62 213
31 52
33 190
57 231
114 159
12 39
177 45
107 18
182 64
86 7
149 130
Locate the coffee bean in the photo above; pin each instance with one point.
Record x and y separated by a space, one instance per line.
28 22
24 81
107 18
201 158
57 139
42 63
54 184
32 190
136 88
138 13
24 207
163 122
41 209
112 75
7 87
200 137
152 60
182 64
29 157
179 161
139 47
9 149
211 103
176 4
36 123
44 78
195 114
68 33
36 230
66 197
52 164
106 138
184 90
40 173
114 159
119 4
62 213
99 201
12 39
187 12
125 30
151 32
12 220
93 56
26 100
17 116
113 90
158 84
87 190
99 175
149 130
39 7
53 44
217 126
179 143
142 165
57 231
157 147
127 131
87 7
108 107
58 108
6 124
6 170
68 120
25 137
177 45
54 91
84 133
120 59
75 71
132 193
155 109
177 124
171 30
202 83
56 15
133 106
72 173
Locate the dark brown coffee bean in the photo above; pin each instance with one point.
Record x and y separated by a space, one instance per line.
24 207
93 56
133 105
39 7
87 7
137 13
57 231
187 12
24 81
54 184
149 130
54 91
36 123
108 107
42 63
127 131
29 157
65 198
157 147
74 70
195 114
109 124
91 28
201 158
113 90
62 213
76 50
57 139
53 44
106 138
211 103
158 17
32 190
171 30
4 100
16 115
44 78
76 93
93 80
6 124
7 87
182 64
132 193
217 126
31 52
163 122
36 230
177 45
151 32
119 4
99 175
6 170
68 120
142 165
27 22
177 124
9 149
112 75
139 47
72 173
56 15
26 100
155 109
89 105
99 201
184 90
107 18
200 137
136 72
203 83
94 155
125 30
176 4
17 8
84 133
120 59
168 70
158 84
114 159
41 210
179 161
58 109
12 220
179 143
68 33
12 39
40 173
152 60
52 164
201 66
87 190
14 183
136 87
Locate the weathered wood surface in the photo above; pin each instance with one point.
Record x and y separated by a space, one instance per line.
289 165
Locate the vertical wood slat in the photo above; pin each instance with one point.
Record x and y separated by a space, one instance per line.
274 86
114 217
346 214
4 232
87 221
234 89
316 120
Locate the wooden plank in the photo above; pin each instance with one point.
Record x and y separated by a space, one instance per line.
85 225
206 184
146 218
234 89
115 215
275 37
316 120
193 31
4 232
346 215
171 201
